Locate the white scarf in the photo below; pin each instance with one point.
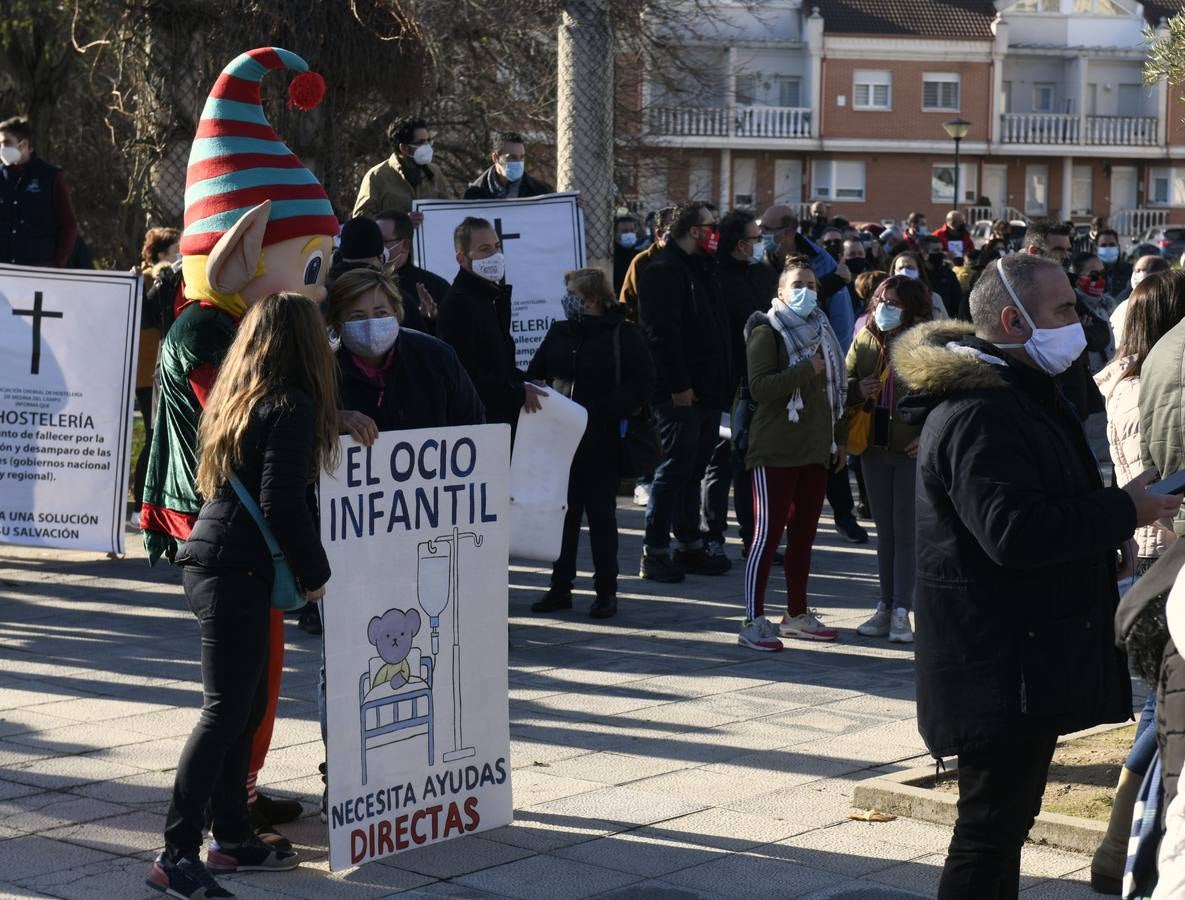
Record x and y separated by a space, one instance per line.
803 339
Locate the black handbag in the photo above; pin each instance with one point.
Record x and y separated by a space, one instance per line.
639 451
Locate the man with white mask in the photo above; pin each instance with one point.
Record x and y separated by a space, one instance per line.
1017 559
37 222
408 174
506 178
474 318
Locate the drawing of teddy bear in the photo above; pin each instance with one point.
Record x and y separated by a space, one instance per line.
392 634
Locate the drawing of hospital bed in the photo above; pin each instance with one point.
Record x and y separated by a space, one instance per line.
388 715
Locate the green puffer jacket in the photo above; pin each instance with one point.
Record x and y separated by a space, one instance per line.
1162 409
773 439
865 357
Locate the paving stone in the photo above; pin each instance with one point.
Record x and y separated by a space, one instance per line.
639 855
34 813
660 890
19 721
78 738
722 829
460 857
748 875
27 857
61 772
547 877
535 785
121 834
626 806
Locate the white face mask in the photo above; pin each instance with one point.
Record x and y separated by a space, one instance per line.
908 273
802 301
10 156
370 337
1137 277
423 154
492 268
1052 349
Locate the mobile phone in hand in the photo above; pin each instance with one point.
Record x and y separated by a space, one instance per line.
1173 484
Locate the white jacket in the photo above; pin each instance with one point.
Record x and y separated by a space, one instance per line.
1122 396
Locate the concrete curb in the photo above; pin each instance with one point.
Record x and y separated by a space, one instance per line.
909 794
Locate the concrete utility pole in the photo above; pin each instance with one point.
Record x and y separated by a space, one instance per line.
584 120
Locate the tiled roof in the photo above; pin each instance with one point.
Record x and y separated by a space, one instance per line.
952 19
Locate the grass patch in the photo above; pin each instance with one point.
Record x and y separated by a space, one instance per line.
1083 776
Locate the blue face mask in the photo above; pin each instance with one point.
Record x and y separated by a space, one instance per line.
1107 255
627 239
514 169
887 317
769 243
802 301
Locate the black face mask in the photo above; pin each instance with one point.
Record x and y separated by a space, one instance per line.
858 265
835 248
936 260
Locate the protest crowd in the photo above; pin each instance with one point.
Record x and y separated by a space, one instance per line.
964 397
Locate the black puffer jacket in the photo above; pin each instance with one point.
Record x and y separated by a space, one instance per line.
745 288
487 187
278 472
1016 540
474 319
686 324
425 387
581 354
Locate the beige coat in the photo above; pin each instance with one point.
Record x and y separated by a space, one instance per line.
1122 396
386 187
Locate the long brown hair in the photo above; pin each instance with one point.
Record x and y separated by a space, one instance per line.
1155 306
914 298
281 343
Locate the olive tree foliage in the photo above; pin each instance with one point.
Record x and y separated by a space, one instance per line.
114 88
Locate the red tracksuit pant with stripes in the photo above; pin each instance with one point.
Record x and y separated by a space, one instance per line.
790 500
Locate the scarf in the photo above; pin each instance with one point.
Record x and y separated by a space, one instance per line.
803 339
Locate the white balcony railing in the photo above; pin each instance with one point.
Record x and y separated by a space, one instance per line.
1132 223
1040 128
1068 128
1007 213
723 121
1121 130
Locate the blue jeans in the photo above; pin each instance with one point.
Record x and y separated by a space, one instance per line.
1139 759
689 435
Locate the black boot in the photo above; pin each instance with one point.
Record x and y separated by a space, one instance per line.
604 607
553 601
276 810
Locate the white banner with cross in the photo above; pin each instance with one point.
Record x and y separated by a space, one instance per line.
542 238
68 343
416 529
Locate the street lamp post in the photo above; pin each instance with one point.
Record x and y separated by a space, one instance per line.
957 129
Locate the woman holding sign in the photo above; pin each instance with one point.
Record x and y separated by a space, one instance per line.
601 361
269 425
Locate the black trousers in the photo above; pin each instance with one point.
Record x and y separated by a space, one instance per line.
592 491
727 470
839 494
999 797
140 473
232 607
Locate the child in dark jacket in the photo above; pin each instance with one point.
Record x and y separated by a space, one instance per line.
601 361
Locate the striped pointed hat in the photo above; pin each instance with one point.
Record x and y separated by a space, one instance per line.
238 161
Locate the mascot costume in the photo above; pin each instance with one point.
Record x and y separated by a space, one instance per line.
256 222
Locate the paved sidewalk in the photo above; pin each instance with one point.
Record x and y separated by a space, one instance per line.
653 757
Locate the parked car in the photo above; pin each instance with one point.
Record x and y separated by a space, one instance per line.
981 231
1169 239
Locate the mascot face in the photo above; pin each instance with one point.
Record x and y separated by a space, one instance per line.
257 221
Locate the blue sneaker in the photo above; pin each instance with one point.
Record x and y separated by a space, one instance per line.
252 855
186 879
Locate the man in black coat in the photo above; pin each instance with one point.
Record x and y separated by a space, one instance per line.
1016 559
474 318
685 323
422 291
506 179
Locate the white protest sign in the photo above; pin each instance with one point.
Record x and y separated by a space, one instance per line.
539 467
417 533
542 238
68 342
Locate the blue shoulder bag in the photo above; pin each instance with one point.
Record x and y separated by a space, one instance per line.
286 595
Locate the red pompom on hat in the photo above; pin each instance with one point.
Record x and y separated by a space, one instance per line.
306 90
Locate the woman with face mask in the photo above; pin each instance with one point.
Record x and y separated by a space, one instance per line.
601 361
1090 284
888 462
392 377
797 435
911 265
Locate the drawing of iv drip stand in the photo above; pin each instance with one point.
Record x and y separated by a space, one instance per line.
438 580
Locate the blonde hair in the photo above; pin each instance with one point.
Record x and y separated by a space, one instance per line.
591 284
355 283
280 343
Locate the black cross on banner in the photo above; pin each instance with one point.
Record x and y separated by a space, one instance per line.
38 314
504 237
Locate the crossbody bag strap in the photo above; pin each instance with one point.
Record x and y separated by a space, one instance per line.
252 507
617 355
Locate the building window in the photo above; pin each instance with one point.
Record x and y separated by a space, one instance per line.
942 183
1036 190
872 89
789 90
1035 6
1081 187
833 179
746 90
940 92
1166 187
1043 97
1100 8
699 179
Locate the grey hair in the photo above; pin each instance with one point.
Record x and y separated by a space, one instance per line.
990 297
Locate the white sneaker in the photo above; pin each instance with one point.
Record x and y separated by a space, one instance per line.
134 520
877 626
760 634
900 631
808 627
642 495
